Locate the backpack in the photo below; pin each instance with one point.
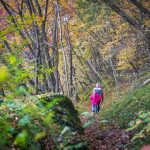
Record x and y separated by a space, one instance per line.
98 90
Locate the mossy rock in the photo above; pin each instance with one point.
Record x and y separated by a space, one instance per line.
64 112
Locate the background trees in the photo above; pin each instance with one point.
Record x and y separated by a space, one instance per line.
65 46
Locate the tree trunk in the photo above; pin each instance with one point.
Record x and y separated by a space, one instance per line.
70 60
63 51
46 50
113 70
55 48
37 59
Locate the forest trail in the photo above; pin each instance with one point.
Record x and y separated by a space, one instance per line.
109 139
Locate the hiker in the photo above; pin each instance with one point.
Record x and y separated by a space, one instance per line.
95 100
99 90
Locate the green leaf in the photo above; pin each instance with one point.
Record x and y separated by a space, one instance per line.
138 135
3 73
12 60
66 129
24 121
89 114
40 135
89 122
104 121
21 139
148 128
144 115
132 127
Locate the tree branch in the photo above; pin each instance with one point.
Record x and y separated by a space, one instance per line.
141 7
127 18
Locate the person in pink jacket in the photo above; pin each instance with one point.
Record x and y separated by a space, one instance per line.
96 98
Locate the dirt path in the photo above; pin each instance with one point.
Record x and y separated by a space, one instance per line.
110 139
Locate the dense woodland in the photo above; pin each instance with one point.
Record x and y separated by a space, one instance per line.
53 52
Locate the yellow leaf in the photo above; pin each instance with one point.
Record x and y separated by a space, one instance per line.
40 135
138 122
3 73
12 59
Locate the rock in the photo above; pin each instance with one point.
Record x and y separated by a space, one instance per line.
64 112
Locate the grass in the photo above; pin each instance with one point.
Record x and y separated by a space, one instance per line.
125 109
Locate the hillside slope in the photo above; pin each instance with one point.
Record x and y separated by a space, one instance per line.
132 112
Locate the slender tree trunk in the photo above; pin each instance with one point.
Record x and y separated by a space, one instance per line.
96 73
61 87
113 70
75 86
46 49
63 50
55 48
70 60
147 44
37 59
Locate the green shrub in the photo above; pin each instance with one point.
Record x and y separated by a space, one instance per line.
26 122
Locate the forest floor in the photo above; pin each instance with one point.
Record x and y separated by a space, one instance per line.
104 139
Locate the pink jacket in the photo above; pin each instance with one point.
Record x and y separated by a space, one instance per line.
95 98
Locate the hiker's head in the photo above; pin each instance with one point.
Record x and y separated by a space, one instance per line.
97 85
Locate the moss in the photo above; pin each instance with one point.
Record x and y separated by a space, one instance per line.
64 112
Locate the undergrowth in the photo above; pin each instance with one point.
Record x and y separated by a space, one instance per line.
27 122
126 109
